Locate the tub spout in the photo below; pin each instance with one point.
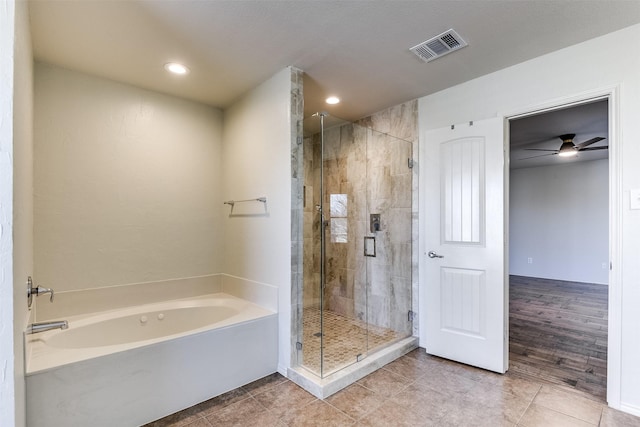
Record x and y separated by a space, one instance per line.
46 326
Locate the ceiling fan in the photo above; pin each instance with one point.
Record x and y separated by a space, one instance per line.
568 148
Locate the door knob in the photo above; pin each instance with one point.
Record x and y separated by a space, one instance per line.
432 254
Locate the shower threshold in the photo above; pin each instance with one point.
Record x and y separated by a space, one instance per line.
325 387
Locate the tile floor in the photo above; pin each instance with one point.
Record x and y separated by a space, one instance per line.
415 390
344 340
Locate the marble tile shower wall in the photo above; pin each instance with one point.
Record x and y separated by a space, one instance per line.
297 185
365 172
311 225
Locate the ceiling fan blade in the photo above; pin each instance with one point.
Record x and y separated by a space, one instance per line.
589 142
606 147
538 149
541 155
539 142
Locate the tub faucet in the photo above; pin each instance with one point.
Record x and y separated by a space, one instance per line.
40 290
36 290
46 326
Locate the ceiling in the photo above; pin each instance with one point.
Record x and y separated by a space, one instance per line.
358 50
542 131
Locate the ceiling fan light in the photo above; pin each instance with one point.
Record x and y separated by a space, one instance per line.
567 153
567 149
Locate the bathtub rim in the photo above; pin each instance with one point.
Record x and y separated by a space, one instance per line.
40 358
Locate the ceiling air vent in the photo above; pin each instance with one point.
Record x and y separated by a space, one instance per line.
438 46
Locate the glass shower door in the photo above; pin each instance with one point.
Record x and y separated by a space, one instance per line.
334 313
344 305
357 243
388 241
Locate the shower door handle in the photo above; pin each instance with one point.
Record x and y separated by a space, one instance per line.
432 254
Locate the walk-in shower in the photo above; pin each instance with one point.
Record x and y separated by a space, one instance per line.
355 292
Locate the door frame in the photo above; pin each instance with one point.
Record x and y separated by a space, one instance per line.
614 338
614 327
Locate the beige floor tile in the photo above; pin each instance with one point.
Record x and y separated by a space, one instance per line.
473 414
471 372
179 419
283 398
539 416
245 413
448 382
384 382
409 367
430 363
317 413
212 405
506 408
263 384
356 401
445 394
417 353
201 422
424 401
614 418
513 385
476 406
569 403
392 414
509 394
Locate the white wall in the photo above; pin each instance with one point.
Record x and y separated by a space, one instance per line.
127 183
129 186
257 162
16 213
559 217
22 196
540 81
7 390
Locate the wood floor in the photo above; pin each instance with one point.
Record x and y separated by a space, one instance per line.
558 333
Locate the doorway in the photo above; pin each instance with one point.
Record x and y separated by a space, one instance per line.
559 246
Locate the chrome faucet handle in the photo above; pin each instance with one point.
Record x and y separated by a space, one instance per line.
40 290
37 290
29 292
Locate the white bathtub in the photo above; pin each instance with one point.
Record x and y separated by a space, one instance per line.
130 366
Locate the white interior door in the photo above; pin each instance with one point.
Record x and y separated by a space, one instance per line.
464 279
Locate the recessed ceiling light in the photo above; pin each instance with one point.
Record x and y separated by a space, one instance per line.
332 100
175 68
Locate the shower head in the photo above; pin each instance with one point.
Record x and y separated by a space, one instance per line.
320 114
